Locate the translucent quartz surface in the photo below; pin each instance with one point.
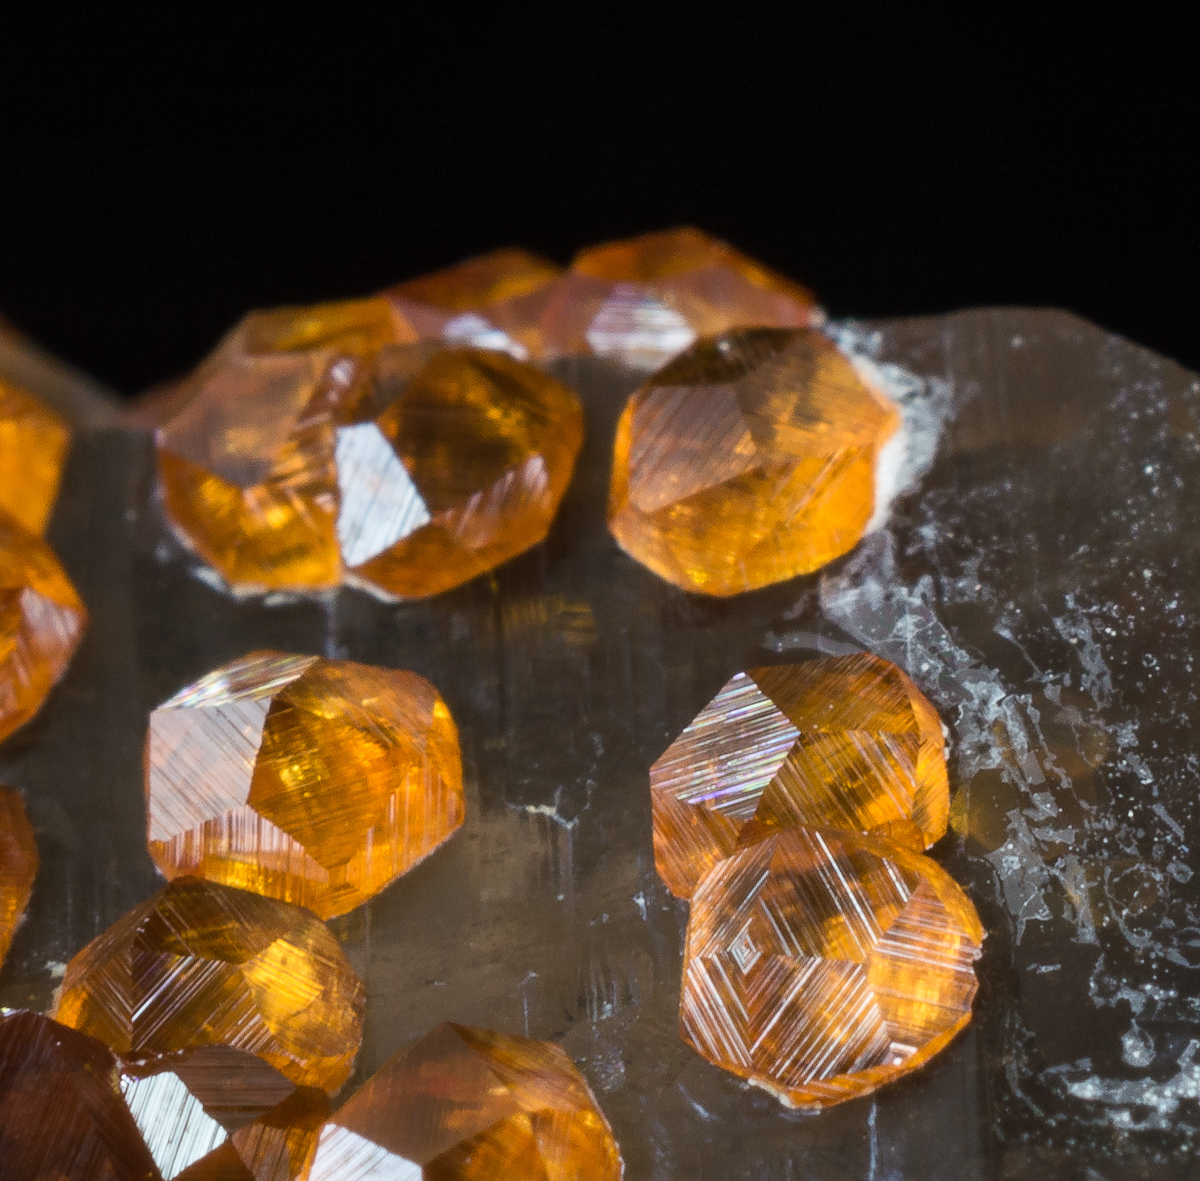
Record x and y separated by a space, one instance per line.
1040 587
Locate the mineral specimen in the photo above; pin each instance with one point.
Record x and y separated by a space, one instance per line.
18 865
34 440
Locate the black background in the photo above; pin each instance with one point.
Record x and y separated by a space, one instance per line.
158 179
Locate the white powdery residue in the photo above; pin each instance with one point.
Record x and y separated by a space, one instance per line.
1144 1104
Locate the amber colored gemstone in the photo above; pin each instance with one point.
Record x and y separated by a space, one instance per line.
314 781
844 742
218 1112
41 621
821 965
643 300
18 865
747 460
201 964
34 441
465 1103
61 1113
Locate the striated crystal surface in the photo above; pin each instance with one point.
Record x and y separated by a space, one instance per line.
465 1103
18 865
847 742
217 1112
61 1113
201 964
34 440
643 300
41 621
820 965
747 460
314 781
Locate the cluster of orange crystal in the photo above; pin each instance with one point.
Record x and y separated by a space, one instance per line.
748 459
314 781
33 449
18 865
825 954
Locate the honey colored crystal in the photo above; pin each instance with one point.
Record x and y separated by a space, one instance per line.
215 1112
41 621
314 781
34 441
467 1104
747 460
18 865
821 965
201 964
846 742
61 1113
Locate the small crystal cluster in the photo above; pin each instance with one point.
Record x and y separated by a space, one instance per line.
825 955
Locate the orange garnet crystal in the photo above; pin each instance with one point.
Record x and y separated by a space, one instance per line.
463 1104
201 964
821 965
846 742
314 781
747 460
34 441
18 865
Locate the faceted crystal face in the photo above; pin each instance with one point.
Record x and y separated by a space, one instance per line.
61 1112
41 621
643 300
820 965
471 1104
218 1112
747 460
18 865
847 742
314 781
201 964
33 449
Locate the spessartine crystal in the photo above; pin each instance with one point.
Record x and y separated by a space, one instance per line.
18 865
325 444
821 965
200 964
748 459
314 781
845 742
62 1117
34 441
466 1104
218 1113
41 622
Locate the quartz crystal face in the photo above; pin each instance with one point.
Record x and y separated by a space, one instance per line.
41 621
201 964
820 965
216 1112
324 443
465 1104
314 781
747 460
643 300
61 1112
18 865
34 441
847 742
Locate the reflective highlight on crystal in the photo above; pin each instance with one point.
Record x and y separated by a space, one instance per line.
41 622
34 441
747 460
821 965
314 781
18 865
847 742
468 1103
201 964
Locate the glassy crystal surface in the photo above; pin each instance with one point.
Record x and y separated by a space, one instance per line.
314 781
201 964
846 742
469 1103
18 864
33 448
41 622
821 965
61 1113
747 460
